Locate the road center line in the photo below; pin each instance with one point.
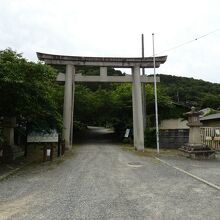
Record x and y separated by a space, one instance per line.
189 174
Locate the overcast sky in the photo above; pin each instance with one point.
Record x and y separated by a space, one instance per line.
114 28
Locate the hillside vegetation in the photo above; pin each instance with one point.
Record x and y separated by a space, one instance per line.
189 91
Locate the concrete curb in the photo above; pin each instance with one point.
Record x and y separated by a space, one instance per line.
4 176
9 173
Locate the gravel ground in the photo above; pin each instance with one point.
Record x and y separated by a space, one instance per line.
97 182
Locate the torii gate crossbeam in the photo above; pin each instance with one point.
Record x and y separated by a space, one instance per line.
70 77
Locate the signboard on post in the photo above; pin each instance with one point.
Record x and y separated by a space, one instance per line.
43 137
48 152
127 132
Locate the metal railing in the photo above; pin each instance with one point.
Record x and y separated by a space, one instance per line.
211 137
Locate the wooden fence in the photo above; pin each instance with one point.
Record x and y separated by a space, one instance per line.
211 137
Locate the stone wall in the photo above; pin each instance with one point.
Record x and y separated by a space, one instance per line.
35 151
173 138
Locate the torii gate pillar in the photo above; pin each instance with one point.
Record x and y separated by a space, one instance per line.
68 105
137 110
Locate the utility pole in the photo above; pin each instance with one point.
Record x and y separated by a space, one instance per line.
143 86
155 95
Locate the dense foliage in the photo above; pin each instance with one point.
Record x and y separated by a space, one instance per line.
111 104
189 91
29 92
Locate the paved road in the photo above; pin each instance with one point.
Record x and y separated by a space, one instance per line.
97 182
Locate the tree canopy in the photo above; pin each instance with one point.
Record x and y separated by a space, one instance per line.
102 104
29 92
189 91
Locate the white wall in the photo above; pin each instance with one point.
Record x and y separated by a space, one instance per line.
173 124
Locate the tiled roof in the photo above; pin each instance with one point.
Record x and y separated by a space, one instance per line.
210 117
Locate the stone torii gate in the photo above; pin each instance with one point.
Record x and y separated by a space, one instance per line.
70 77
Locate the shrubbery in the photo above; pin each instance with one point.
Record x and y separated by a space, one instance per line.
150 137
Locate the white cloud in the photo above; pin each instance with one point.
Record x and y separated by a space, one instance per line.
113 28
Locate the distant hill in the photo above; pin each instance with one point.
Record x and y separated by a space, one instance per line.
189 91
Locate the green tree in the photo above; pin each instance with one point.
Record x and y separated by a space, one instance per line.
210 100
29 91
121 117
191 92
85 105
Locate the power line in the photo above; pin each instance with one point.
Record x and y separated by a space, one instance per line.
191 41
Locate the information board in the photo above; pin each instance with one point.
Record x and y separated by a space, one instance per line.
43 137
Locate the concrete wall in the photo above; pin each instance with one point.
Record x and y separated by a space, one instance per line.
35 151
173 124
